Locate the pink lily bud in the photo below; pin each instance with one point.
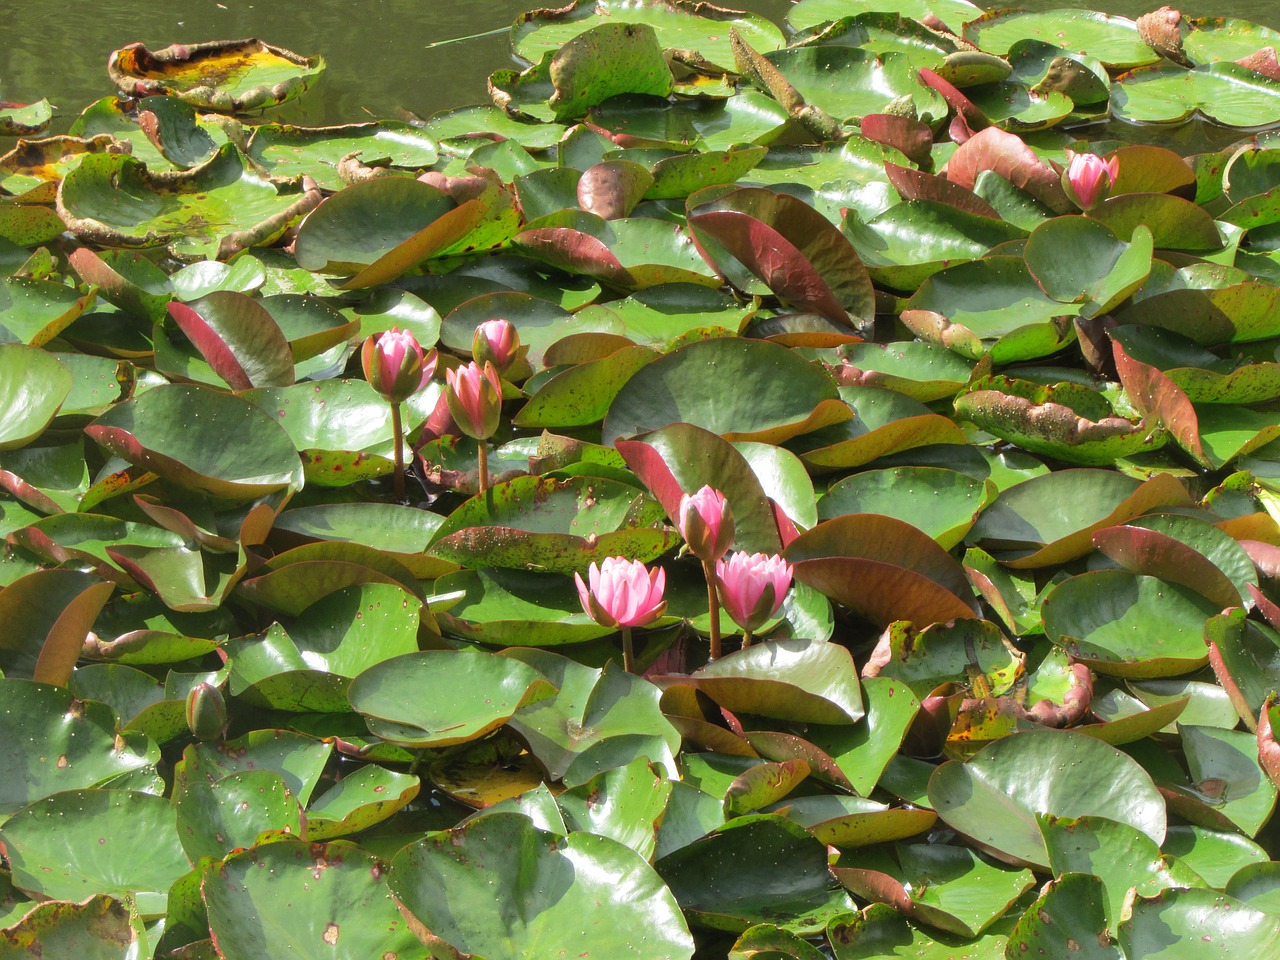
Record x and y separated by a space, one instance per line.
1089 178
496 341
706 523
752 587
395 366
474 396
622 593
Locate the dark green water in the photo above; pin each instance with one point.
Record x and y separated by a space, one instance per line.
380 52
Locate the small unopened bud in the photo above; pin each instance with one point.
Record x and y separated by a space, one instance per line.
206 712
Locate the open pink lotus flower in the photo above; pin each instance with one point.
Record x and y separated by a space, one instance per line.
706 523
622 593
394 364
1089 178
752 587
474 396
496 342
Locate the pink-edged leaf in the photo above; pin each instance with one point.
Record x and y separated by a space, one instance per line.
24 492
780 747
911 137
1075 702
1228 627
1265 604
795 250
774 259
1156 554
1160 399
576 252
1005 153
238 338
918 185
612 188
969 120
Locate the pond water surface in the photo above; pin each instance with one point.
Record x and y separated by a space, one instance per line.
383 55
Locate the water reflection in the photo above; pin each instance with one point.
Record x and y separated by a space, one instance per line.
379 52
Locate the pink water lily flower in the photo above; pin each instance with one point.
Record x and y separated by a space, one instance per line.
1090 178
474 396
395 365
497 342
752 587
622 593
706 523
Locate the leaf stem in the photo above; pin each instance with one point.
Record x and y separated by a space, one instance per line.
628 651
746 639
713 606
397 437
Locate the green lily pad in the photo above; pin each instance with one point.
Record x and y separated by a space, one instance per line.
996 796
555 526
679 388
808 13
1224 92
942 503
216 818
36 311
1113 40
24 119
299 759
1166 925
922 371
1067 917
440 698
326 900
591 885
866 83
992 306
748 857
46 721
78 843
516 608
230 76
182 432
97 929
360 800
35 385
285 150
598 720
217 208
880 931
680 25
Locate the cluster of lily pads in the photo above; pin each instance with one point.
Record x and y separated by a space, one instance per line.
1009 419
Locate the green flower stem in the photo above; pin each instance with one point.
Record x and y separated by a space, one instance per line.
746 639
713 605
483 468
397 438
628 652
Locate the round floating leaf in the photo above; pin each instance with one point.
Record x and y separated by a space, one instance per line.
598 720
297 758
1113 40
516 608
1051 519
36 311
1214 855
996 796
221 206
1067 919
413 221
849 822
679 26
216 818
556 526
359 800
439 698
701 384
285 150
324 900
749 117
942 503
33 385
80 842
990 306
606 60
809 13
1179 924
402 532
1129 626
1227 93
97 929
1119 855
239 339
1077 259
227 75
582 893
963 652
624 804
53 742
203 439
752 870
802 680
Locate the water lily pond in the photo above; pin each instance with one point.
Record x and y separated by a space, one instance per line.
749 487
